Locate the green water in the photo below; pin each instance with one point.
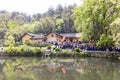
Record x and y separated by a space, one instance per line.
58 69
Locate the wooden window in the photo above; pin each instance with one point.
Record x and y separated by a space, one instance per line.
52 35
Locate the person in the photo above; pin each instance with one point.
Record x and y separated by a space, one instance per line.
63 70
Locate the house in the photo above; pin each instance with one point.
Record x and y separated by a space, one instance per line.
69 37
51 37
72 37
34 38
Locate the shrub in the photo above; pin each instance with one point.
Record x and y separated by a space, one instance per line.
10 50
105 40
10 41
85 54
18 44
23 50
48 47
13 51
77 50
57 49
36 51
26 50
45 44
28 42
36 44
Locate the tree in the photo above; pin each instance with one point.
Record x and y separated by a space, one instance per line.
10 41
4 23
50 11
59 11
2 33
59 25
115 30
93 18
68 21
12 25
27 17
37 16
19 20
17 32
4 19
105 41
45 25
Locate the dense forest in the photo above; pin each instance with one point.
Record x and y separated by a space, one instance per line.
98 20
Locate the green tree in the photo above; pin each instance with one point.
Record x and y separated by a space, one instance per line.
50 11
4 24
10 41
93 18
68 21
2 33
12 25
4 20
19 20
59 25
115 30
105 41
37 16
59 11
45 25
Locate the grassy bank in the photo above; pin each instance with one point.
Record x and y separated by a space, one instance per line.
23 50
27 51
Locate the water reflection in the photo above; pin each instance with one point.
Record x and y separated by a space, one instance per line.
58 69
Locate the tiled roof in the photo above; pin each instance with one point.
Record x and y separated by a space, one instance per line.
68 34
71 35
36 35
54 33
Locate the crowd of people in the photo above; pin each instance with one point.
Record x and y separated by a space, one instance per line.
85 46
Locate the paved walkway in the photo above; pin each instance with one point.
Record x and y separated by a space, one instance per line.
101 51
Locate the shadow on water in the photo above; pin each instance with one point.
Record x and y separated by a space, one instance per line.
29 68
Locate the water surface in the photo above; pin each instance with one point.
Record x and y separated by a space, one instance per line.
18 68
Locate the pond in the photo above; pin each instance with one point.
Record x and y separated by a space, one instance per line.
29 68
